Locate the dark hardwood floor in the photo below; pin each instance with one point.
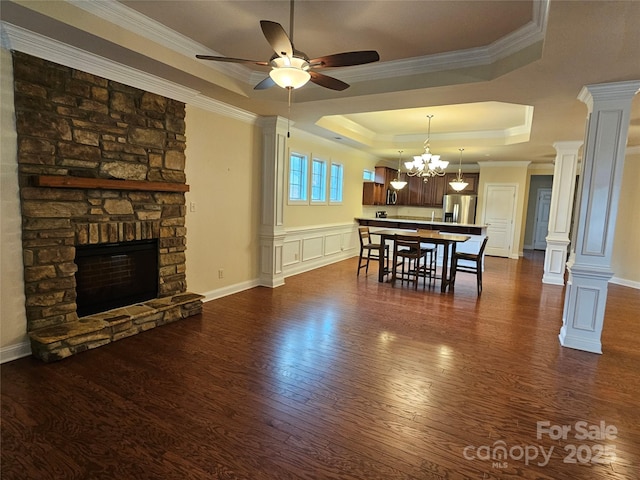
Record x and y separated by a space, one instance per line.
334 376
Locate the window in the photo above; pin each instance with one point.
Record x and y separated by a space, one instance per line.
318 180
297 178
335 195
369 176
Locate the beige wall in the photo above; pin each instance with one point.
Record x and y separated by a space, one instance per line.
223 172
13 320
354 161
625 260
512 173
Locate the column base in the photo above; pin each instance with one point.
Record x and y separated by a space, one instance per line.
555 259
271 271
584 306
576 343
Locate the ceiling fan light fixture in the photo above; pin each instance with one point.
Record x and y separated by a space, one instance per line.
290 67
290 72
289 77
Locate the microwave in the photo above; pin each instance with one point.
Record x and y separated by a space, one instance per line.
392 197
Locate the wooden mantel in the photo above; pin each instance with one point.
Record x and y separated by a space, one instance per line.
60 181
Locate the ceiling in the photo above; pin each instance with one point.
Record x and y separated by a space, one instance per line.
501 78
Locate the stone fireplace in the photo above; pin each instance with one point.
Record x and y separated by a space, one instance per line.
100 163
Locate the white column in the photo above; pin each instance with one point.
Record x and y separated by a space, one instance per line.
272 232
603 161
564 182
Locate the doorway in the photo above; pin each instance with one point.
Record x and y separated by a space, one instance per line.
541 225
499 216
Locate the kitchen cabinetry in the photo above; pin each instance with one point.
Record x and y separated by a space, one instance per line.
419 193
434 191
411 194
470 178
373 193
385 175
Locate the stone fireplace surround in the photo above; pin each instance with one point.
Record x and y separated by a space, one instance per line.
99 162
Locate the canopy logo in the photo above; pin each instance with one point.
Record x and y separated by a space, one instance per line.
500 454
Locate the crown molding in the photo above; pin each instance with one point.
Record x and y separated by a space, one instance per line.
22 40
40 46
542 166
216 106
510 44
133 21
492 164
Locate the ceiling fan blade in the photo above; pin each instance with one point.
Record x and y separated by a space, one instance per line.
231 60
264 84
277 38
327 81
346 59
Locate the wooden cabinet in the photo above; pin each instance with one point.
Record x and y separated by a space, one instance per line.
471 178
434 191
415 189
385 175
418 193
373 193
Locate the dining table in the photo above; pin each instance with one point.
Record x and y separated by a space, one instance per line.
449 240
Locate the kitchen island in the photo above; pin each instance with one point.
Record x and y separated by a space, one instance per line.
422 223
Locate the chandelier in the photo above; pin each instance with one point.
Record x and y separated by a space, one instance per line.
396 182
458 184
426 165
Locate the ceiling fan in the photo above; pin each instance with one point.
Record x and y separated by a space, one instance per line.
291 68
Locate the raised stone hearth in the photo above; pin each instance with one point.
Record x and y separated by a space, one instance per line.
60 341
99 162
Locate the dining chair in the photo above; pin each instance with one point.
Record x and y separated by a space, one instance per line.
474 265
432 254
373 250
408 252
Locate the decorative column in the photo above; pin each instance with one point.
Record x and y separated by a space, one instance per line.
609 105
272 232
564 182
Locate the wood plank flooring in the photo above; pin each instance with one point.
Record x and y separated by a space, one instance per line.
334 376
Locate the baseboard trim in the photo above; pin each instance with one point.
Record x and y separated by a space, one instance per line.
14 352
625 283
229 290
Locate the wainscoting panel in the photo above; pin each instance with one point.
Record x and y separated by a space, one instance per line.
332 244
291 252
307 248
312 248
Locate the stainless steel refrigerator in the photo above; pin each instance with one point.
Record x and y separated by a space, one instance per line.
459 208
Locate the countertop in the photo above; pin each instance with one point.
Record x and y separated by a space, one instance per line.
421 220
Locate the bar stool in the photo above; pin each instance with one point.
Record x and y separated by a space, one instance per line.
407 252
476 267
374 250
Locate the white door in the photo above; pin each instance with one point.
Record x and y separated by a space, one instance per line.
541 228
499 216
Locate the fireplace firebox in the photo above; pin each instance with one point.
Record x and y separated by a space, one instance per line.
115 275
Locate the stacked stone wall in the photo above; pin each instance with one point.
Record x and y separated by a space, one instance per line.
74 124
